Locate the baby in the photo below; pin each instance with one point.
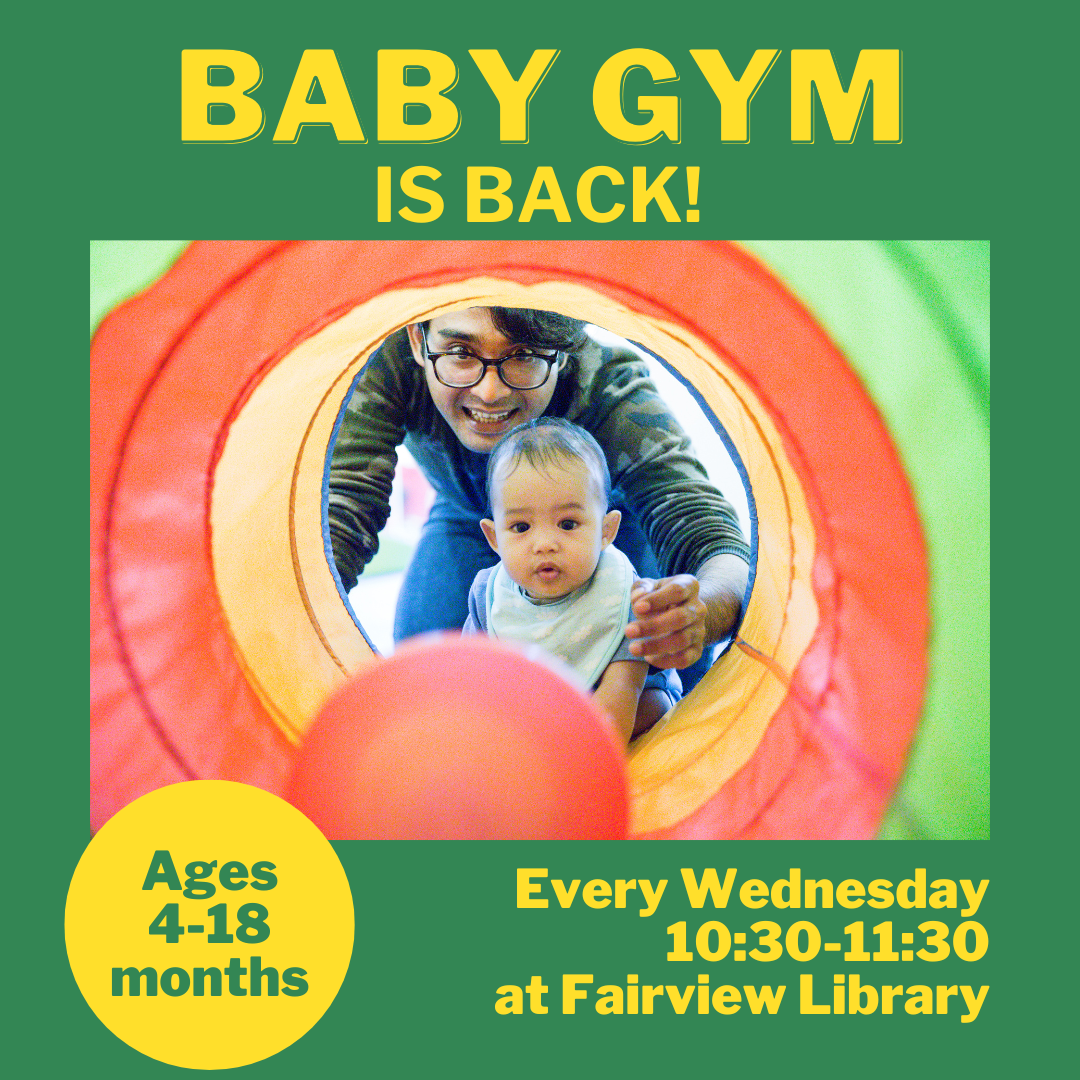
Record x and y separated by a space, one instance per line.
559 583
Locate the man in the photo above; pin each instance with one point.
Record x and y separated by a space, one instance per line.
450 389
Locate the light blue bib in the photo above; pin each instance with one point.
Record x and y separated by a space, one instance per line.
583 629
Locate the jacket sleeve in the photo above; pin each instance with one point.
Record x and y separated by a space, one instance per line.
363 461
685 517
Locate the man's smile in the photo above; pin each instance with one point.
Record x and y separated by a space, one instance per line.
487 417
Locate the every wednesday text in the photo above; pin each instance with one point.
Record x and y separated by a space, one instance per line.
715 888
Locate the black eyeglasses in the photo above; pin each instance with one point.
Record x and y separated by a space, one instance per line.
523 369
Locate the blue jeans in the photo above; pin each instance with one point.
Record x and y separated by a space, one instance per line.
452 551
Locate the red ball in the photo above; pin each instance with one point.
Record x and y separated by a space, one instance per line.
458 738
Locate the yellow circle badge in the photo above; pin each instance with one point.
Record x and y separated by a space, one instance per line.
209 924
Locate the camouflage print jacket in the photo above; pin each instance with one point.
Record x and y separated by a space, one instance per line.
607 392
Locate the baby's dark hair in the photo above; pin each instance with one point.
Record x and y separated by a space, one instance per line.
547 441
544 329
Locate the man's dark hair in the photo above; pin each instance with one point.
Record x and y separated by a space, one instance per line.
544 329
547 441
547 329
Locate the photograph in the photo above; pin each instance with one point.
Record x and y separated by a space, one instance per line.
646 466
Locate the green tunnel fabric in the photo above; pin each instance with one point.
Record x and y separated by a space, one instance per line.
914 320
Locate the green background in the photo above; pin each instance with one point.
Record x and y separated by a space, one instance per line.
98 157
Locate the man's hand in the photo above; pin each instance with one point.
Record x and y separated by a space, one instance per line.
676 617
669 628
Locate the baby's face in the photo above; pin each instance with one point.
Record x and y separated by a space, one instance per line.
549 526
